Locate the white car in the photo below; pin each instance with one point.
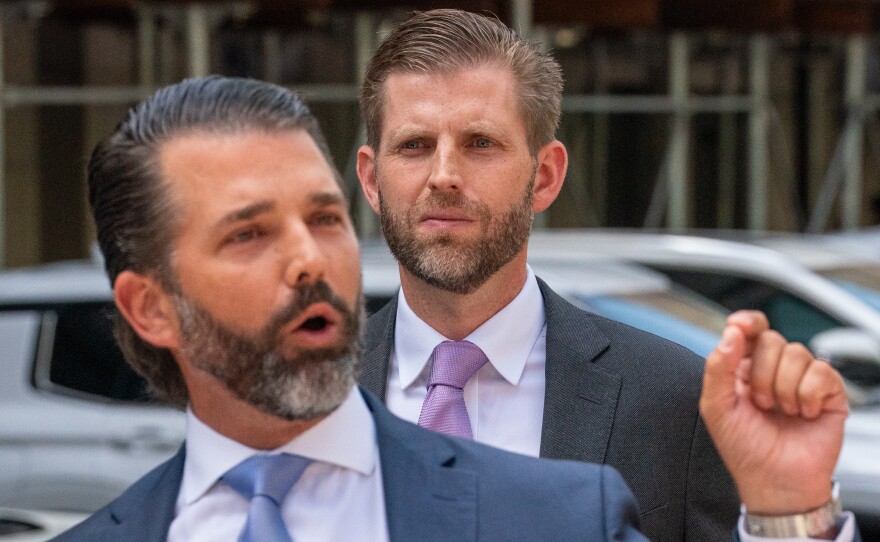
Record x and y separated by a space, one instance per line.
802 305
76 427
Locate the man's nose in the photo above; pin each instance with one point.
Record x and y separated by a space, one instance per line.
306 262
446 167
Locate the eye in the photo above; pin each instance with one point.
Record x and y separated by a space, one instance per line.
411 145
327 219
482 142
244 235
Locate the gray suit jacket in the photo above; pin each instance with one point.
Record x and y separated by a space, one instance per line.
623 397
437 489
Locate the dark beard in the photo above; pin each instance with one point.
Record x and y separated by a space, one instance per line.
444 262
296 384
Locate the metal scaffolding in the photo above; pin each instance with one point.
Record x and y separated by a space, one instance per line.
673 199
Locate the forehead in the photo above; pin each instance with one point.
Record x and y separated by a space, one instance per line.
207 171
484 92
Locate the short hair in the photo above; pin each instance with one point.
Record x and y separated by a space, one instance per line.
135 216
446 41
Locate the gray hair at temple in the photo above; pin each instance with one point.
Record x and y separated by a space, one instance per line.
135 216
445 41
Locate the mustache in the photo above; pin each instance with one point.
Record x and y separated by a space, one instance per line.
304 297
452 200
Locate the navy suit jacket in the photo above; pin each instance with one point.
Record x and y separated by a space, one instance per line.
619 396
437 488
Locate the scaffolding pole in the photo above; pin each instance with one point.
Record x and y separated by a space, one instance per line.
759 83
146 33
197 40
677 152
364 46
851 196
522 15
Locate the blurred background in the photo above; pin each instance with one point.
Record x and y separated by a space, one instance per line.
750 120
678 114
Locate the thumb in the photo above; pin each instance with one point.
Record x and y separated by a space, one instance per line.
720 375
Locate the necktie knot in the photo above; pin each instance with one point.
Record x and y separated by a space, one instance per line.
265 480
455 363
267 475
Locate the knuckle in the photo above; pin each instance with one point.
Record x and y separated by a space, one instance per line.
798 351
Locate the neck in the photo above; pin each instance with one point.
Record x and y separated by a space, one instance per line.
457 315
217 408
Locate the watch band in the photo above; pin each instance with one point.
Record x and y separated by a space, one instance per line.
822 521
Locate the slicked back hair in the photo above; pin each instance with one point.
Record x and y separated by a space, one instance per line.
446 41
134 214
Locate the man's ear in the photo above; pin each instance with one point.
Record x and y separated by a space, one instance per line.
552 163
148 309
366 170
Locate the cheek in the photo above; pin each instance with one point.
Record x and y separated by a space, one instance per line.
400 183
345 268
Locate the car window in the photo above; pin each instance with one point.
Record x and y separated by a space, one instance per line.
78 354
794 318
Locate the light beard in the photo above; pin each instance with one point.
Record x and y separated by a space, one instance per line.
442 260
292 383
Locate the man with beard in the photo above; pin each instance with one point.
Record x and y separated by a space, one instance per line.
236 276
461 116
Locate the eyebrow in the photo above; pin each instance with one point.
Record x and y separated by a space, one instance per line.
246 212
324 199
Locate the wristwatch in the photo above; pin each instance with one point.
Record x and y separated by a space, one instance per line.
821 522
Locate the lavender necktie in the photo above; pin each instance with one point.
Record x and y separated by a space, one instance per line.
265 480
455 362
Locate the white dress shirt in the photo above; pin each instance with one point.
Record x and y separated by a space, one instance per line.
505 399
339 497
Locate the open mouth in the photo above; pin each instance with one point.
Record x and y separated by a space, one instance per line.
318 327
316 323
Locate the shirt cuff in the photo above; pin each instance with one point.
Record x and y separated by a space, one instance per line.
847 532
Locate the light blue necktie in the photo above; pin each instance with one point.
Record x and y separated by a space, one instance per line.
265 480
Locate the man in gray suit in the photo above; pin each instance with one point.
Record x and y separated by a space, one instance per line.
461 116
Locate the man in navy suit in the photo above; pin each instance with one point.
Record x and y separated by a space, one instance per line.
236 276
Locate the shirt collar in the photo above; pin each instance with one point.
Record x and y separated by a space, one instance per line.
346 438
507 338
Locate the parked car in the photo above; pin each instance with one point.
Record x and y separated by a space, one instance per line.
802 305
799 303
77 426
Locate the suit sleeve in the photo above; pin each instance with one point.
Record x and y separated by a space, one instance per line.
712 503
621 514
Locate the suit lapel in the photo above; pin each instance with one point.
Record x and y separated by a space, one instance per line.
378 342
144 514
580 397
426 497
